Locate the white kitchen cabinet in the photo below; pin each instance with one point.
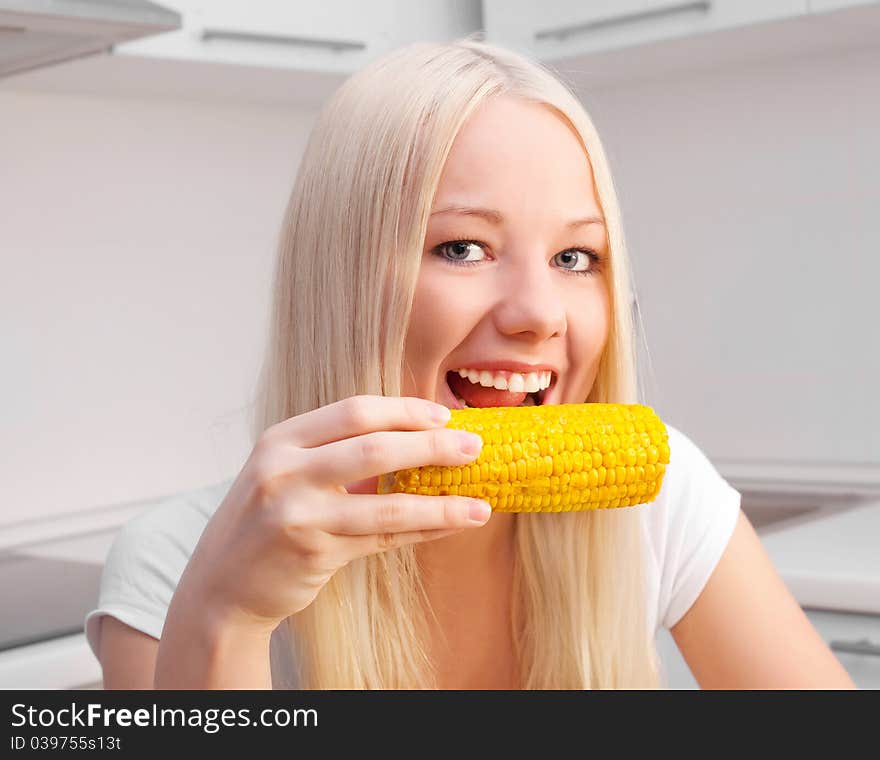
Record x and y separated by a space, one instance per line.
63 663
855 641
558 29
334 36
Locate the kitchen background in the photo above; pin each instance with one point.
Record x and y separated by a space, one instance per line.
141 194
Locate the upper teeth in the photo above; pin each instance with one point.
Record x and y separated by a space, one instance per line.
514 381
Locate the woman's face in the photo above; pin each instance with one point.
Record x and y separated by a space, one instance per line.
517 292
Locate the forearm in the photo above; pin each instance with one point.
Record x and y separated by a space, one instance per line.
199 650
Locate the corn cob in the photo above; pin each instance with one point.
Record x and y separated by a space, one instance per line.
554 458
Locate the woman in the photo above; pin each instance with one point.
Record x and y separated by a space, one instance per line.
453 223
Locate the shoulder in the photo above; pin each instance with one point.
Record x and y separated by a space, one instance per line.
163 536
176 520
689 479
688 525
147 557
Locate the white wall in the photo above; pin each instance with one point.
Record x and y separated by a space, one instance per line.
137 239
750 208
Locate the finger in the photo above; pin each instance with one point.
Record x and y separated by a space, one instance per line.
354 547
366 485
367 456
358 515
357 415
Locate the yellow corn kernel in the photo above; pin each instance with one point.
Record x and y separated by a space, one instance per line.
553 458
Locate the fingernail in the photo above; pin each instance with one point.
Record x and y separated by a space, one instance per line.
439 413
480 511
470 443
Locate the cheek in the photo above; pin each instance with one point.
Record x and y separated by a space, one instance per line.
429 308
439 319
590 299
589 325
447 302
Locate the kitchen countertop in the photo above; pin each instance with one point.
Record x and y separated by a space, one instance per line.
47 588
832 561
66 662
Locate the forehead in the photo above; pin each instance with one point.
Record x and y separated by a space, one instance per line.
511 148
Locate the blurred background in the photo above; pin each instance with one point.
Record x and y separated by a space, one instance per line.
147 153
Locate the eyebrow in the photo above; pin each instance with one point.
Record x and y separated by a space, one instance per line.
496 217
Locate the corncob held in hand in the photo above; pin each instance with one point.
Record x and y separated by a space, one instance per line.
553 458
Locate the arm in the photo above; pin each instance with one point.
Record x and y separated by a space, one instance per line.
128 659
200 650
746 630
127 656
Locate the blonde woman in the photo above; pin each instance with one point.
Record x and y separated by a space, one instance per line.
453 223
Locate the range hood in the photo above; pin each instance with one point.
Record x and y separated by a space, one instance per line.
35 33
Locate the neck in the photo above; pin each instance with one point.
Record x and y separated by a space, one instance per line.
473 553
468 578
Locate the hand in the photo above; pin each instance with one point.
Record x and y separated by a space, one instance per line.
305 505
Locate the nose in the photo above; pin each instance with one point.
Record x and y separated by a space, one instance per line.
530 299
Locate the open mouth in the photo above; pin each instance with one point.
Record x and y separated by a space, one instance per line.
534 398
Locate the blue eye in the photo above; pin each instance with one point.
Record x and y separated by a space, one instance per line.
460 248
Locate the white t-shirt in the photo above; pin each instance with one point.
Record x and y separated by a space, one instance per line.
686 529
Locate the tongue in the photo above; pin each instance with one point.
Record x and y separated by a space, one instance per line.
479 396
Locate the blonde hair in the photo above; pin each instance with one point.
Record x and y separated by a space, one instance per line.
348 261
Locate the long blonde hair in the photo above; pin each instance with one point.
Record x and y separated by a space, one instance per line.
348 259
